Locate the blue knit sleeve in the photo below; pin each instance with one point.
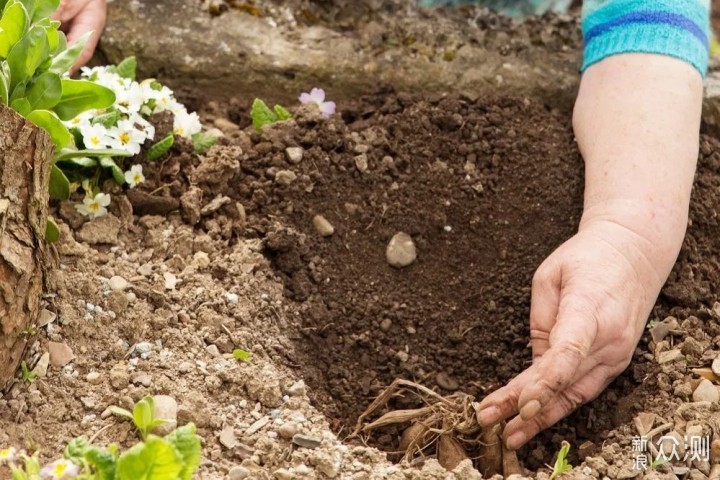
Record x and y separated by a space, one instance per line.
678 28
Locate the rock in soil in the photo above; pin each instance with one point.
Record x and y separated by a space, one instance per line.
322 226
103 230
166 408
706 392
60 354
401 250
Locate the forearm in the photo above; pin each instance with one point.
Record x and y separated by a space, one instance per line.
637 121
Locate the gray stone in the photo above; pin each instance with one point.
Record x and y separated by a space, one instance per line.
46 317
322 226
294 154
287 430
706 392
142 379
238 473
228 438
670 356
306 441
166 408
41 367
716 367
297 389
213 350
401 251
103 230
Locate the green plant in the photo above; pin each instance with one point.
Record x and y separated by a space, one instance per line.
242 355
262 115
27 374
174 457
561 464
143 416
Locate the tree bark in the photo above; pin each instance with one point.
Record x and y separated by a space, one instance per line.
25 160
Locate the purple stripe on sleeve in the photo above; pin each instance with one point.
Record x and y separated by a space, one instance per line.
650 17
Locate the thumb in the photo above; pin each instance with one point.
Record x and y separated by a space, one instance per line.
570 342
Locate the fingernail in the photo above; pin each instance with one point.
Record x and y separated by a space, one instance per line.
489 416
530 409
516 440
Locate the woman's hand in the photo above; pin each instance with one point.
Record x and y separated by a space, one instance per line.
637 122
79 17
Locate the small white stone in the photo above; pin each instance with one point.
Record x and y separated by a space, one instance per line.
285 177
232 297
118 283
294 154
401 251
170 280
706 392
322 226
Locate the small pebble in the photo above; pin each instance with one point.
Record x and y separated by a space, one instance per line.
46 317
232 297
306 441
716 367
213 350
294 154
60 354
285 177
297 389
322 226
706 392
361 163
238 473
170 280
142 379
385 324
401 251
93 378
118 284
166 408
143 347
288 430
42 366
446 382
145 269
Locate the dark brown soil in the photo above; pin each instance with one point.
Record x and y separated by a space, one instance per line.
487 188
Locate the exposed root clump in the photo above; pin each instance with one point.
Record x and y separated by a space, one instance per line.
443 427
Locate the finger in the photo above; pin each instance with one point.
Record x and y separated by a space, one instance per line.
518 431
503 402
570 342
544 302
91 19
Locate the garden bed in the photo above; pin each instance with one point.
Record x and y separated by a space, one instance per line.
486 188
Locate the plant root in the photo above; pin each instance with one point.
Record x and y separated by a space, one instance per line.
444 427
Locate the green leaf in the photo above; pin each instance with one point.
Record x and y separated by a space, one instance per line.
59 133
27 55
52 232
4 82
262 115
561 464
127 68
76 449
109 152
45 93
121 412
13 26
22 106
156 459
203 141
44 8
117 173
282 113
81 95
143 415
104 461
187 444
59 184
108 119
82 162
29 7
160 148
67 57
242 355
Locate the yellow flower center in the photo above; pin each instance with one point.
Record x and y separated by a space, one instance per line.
125 138
95 140
60 469
95 207
138 178
180 131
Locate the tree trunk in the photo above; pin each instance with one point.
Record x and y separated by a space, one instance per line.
25 160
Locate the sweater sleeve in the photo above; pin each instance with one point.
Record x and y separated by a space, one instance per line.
678 28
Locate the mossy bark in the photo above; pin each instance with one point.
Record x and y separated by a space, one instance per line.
25 161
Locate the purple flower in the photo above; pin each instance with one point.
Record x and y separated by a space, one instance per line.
60 470
317 96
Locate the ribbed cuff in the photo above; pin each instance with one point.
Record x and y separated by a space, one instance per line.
679 29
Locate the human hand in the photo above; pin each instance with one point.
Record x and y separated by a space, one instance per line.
590 301
79 17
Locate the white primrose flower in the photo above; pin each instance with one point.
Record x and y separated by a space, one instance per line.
164 99
84 119
126 137
134 176
186 124
8 455
95 136
130 99
60 470
94 207
147 128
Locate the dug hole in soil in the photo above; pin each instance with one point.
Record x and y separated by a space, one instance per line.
221 251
